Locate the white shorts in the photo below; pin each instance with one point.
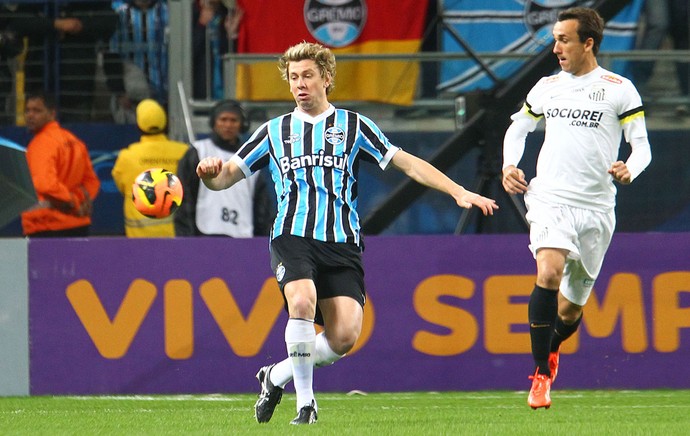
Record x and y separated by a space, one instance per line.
585 233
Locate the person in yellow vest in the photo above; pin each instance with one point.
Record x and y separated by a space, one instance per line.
154 150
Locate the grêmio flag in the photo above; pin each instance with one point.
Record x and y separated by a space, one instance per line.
345 26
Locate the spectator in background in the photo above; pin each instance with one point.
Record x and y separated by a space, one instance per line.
214 34
141 40
664 18
679 24
62 173
154 150
70 55
11 45
242 212
79 55
16 24
655 32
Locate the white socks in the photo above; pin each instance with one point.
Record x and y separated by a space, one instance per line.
323 354
281 373
300 340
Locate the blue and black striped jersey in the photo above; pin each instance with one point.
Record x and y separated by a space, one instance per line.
314 163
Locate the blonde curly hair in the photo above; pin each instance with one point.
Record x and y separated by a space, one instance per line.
322 56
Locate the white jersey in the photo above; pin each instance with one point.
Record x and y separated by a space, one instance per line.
585 116
227 212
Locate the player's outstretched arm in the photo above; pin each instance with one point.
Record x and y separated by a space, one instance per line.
423 172
217 175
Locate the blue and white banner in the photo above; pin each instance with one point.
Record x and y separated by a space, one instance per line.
515 26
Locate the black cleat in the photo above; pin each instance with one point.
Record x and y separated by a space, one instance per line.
306 415
269 397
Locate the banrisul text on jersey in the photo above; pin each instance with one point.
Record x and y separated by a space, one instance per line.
319 160
314 163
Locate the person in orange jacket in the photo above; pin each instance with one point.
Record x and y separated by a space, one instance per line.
62 173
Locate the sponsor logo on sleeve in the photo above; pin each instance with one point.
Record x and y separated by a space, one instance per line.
612 79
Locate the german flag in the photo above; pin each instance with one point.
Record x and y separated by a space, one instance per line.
345 26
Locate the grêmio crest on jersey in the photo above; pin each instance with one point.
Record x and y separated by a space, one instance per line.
540 15
335 135
335 23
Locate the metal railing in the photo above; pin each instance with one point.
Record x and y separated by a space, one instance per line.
606 59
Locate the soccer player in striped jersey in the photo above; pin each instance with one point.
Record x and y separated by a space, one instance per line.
313 155
571 200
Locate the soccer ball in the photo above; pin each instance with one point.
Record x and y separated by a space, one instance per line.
157 193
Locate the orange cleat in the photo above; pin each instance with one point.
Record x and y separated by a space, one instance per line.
554 359
540 394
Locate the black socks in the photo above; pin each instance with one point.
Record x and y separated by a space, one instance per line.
562 331
542 313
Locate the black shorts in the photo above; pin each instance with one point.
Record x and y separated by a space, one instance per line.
335 268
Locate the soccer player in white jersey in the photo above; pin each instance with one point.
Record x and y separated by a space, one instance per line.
571 200
313 154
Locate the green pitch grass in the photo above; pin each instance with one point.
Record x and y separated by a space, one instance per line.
665 412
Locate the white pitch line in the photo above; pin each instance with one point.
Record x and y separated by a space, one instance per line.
156 398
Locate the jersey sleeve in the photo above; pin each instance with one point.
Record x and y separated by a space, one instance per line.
515 138
533 107
43 162
523 123
640 157
374 143
90 181
631 113
118 172
254 154
631 116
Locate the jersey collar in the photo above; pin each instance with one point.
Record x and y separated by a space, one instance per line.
313 120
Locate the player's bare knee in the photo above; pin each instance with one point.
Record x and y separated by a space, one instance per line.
343 347
344 342
549 277
301 307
